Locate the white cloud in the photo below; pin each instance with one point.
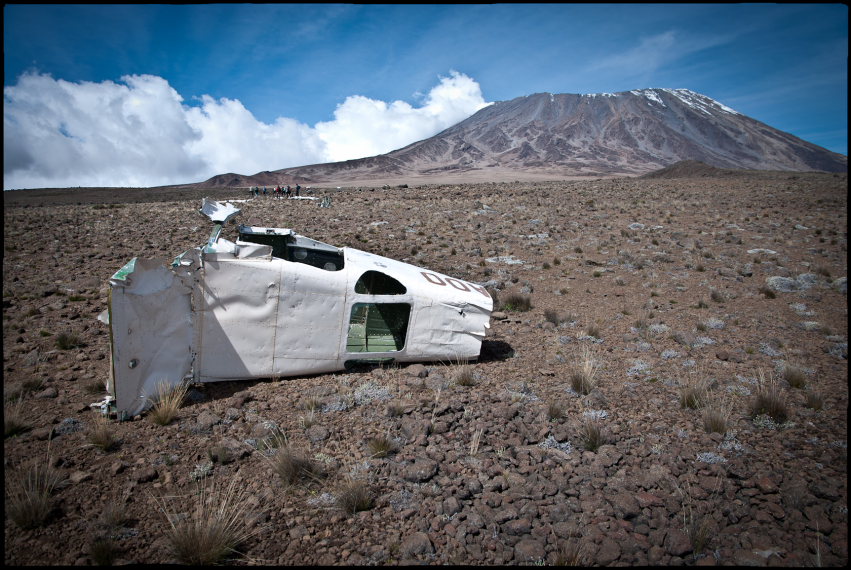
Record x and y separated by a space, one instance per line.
366 127
140 133
651 53
655 53
99 134
232 140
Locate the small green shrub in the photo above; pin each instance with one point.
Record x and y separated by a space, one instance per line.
67 341
517 302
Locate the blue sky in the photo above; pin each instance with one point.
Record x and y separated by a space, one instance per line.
162 94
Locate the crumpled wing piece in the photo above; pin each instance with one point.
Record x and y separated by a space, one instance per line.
219 213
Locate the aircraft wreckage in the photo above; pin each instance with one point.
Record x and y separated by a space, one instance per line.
275 303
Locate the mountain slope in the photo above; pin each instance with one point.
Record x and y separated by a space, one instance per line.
626 133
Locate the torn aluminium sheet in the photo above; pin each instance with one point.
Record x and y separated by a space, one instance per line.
275 303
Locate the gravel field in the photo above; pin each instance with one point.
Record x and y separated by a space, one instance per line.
631 314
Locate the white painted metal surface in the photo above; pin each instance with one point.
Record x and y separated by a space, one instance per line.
231 310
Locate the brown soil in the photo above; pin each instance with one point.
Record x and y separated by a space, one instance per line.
667 281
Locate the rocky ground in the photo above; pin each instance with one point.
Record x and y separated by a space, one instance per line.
665 284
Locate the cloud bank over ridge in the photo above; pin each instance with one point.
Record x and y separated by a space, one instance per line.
140 132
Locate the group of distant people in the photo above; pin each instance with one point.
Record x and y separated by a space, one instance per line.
277 191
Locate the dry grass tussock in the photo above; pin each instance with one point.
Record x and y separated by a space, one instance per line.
29 493
516 302
716 414
463 375
354 495
555 411
769 399
795 376
167 402
696 525
571 553
381 446
694 394
101 435
584 376
294 467
814 399
13 419
593 436
213 529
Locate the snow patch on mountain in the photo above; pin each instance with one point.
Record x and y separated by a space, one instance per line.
700 102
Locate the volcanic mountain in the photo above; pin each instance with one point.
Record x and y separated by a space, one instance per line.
626 133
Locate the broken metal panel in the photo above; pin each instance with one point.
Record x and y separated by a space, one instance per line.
449 331
218 212
151 332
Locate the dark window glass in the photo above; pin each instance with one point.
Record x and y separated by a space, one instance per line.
377 283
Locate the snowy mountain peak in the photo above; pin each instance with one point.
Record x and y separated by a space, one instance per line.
625 133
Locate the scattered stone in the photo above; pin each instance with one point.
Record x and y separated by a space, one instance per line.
146 475
417 544
67 426
677 542
80 476
481 475
317 433
421 470
49 392
417 370
781 284
206 420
